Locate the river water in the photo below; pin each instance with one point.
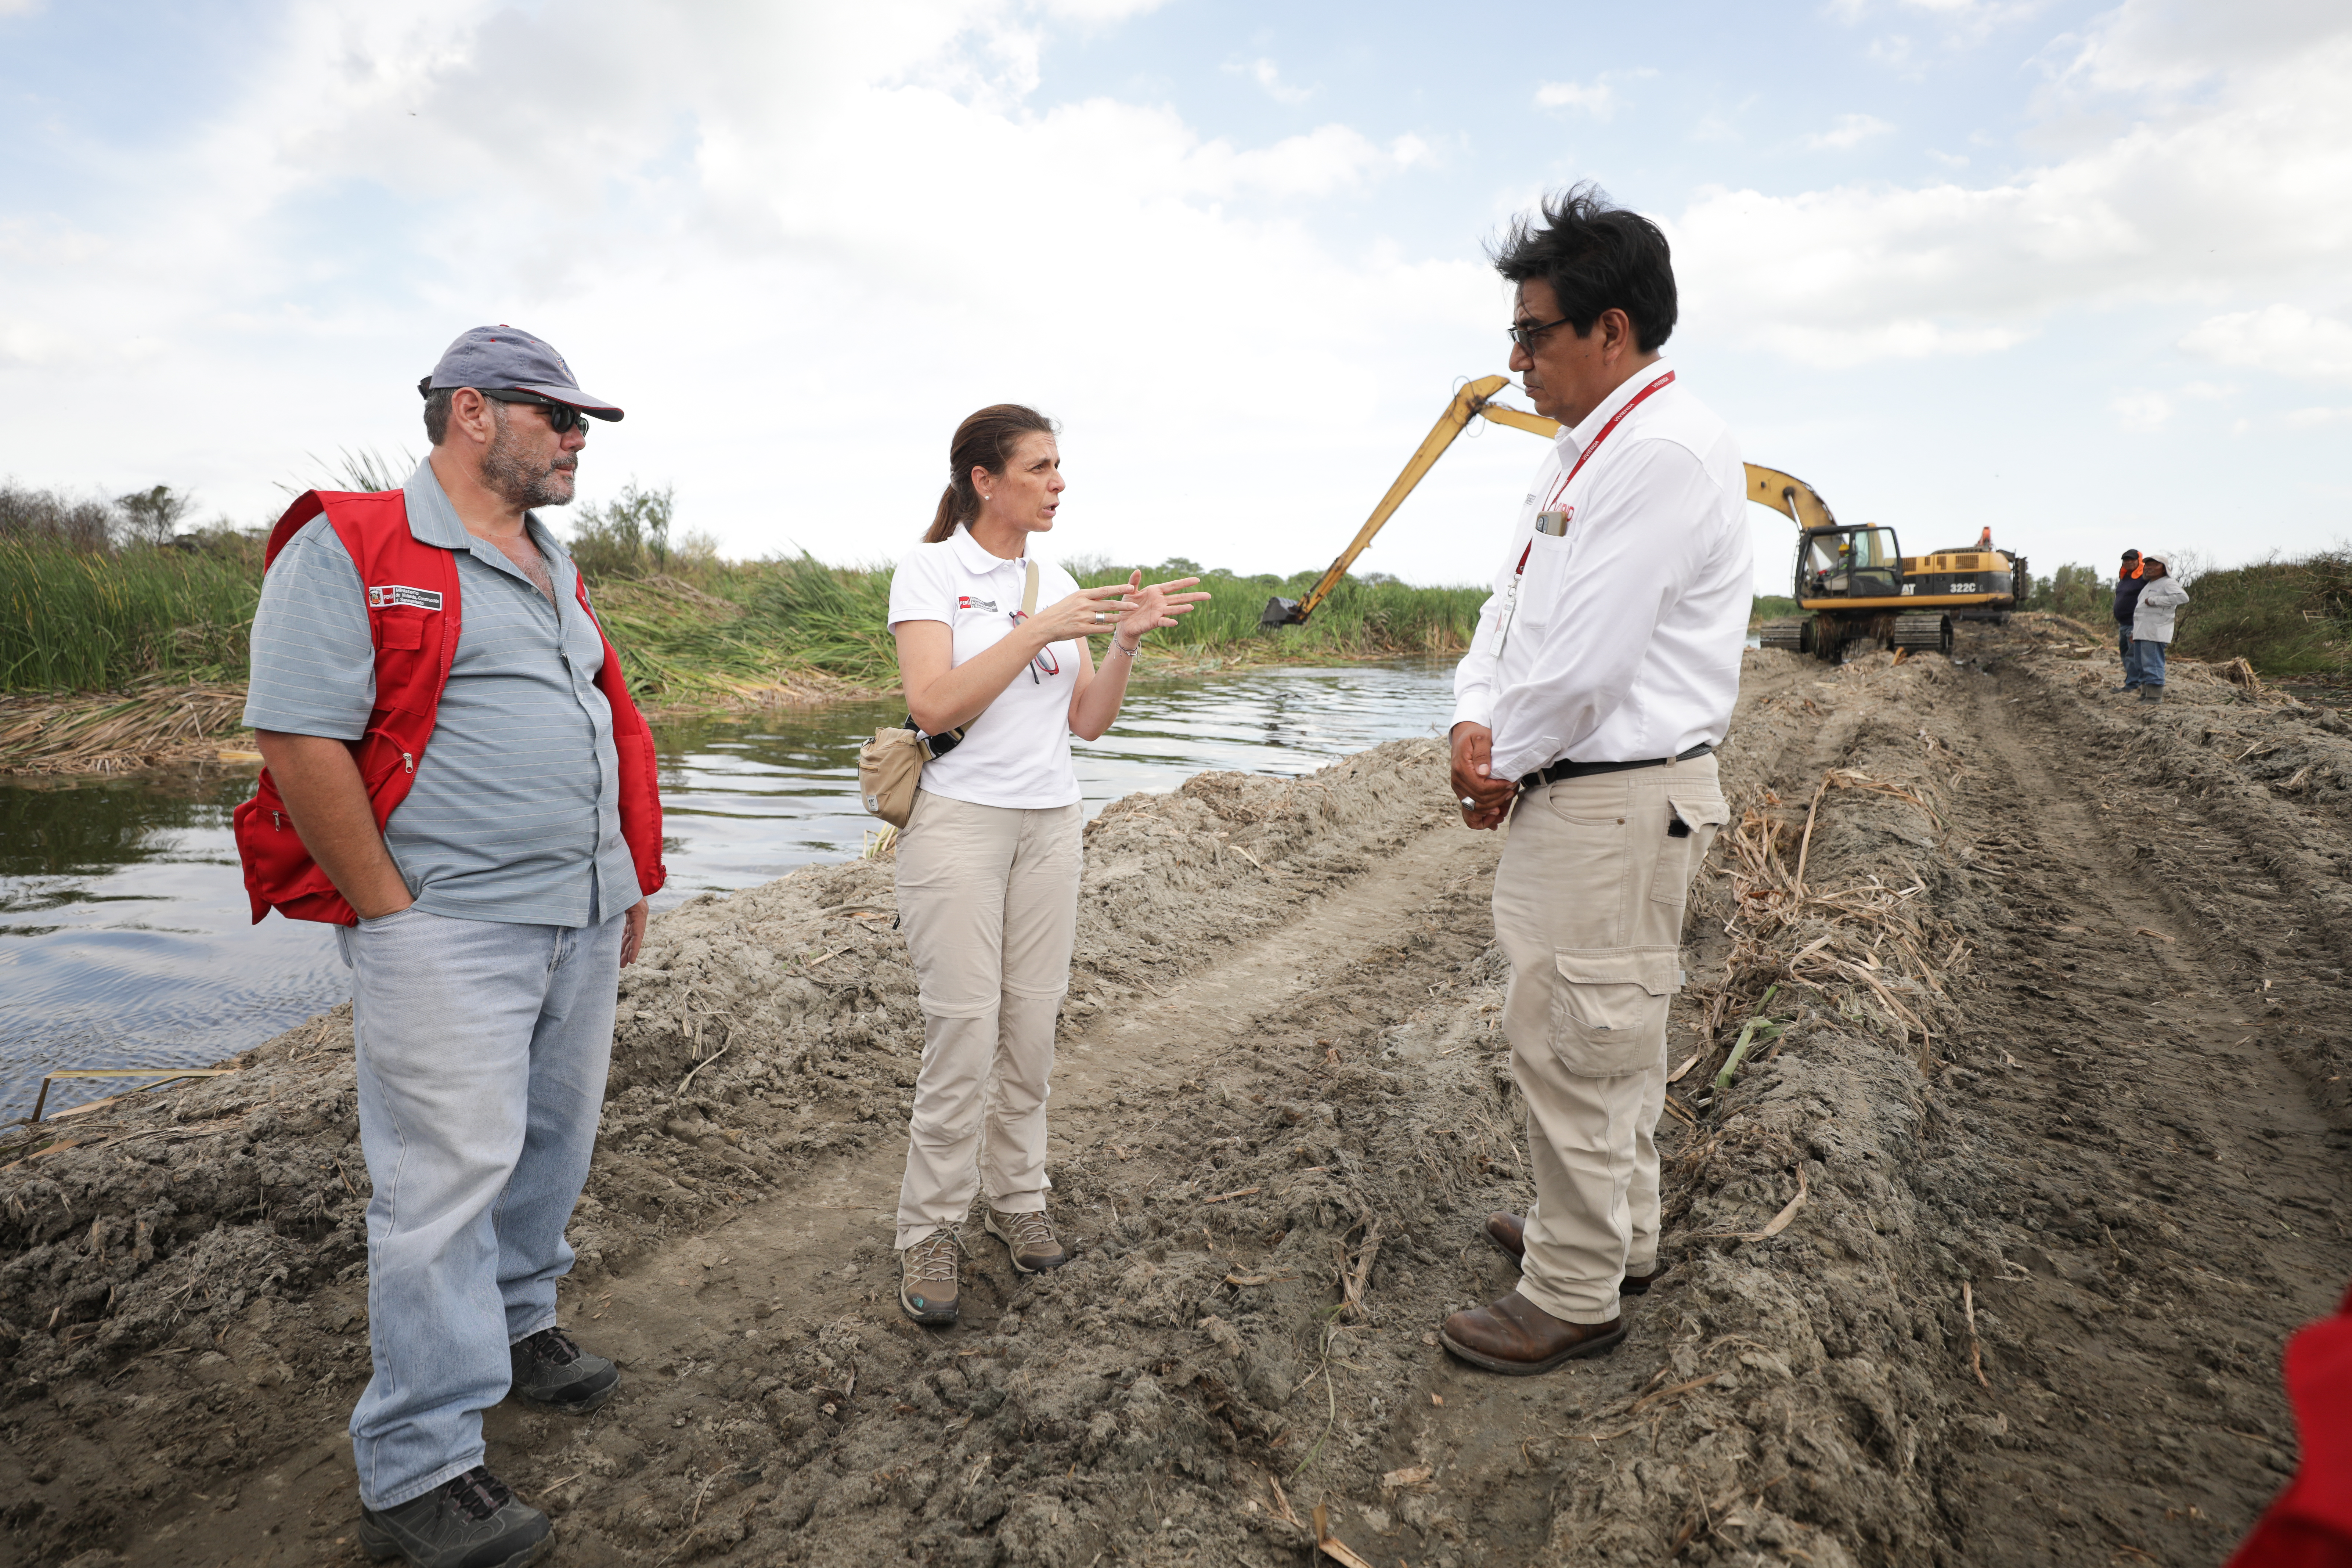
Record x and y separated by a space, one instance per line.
125 938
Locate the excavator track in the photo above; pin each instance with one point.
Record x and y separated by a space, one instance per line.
1927 632
1793 633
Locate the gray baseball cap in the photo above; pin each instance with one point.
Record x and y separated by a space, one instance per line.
504 358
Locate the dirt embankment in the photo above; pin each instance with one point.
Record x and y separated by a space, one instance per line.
1986 1255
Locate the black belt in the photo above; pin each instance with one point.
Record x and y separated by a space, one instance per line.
1567 770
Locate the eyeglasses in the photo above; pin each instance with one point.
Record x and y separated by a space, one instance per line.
1045 661
1526 336
561 418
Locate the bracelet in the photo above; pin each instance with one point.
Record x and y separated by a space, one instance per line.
1122 648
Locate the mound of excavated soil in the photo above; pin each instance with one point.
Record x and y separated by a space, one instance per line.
1985 1255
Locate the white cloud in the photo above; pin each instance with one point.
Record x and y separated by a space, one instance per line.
2143 411
1267 75
20 8
2313 418
2281 338
1598 97
796 243
1099 11
1964 23
1949 160
2245 182
1851 130
2146 410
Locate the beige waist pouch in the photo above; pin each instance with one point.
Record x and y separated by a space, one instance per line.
890 765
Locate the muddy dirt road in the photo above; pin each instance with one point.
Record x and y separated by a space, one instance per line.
1985 1256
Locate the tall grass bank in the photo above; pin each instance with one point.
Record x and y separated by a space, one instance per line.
118 651
2290 619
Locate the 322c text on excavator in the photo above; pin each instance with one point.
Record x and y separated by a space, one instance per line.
1853 582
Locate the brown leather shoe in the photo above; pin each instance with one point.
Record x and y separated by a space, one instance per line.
1519 1338
1510 1231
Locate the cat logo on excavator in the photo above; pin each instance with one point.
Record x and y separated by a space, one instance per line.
1854 582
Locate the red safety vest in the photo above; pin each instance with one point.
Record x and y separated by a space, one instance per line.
413 615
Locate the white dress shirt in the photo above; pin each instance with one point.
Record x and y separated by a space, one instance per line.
1621 640
1017 753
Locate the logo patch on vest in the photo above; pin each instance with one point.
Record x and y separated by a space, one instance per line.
416 598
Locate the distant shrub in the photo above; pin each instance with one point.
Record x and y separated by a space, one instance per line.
47 517
2082 593
153 516
626 537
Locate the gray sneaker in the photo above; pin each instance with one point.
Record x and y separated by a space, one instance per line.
551 1372
473 1522
1030 1240
926 1278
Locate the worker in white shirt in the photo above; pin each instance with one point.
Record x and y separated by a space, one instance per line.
1600 679
993 643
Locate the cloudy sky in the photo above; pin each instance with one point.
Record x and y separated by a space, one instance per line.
2081 271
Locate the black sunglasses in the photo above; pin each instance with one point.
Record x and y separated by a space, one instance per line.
1526 336
561 418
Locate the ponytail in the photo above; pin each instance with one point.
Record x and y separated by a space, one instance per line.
943 521
985 440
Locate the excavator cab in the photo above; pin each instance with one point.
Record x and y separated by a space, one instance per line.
1864 563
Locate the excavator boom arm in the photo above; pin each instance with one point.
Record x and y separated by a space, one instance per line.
1784 493
1467 403
1789 494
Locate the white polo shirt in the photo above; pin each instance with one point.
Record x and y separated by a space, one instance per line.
1620 640
1017 753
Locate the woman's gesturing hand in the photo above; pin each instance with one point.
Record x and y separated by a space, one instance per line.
1090 612
1150 605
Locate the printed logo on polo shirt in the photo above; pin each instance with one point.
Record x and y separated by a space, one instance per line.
966 602
416 598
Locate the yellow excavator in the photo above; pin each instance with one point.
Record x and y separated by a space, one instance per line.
1854 582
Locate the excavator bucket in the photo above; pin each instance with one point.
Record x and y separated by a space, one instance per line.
1279 612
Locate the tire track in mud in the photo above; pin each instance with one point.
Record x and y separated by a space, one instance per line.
693 1317
2163 1188
2140 1192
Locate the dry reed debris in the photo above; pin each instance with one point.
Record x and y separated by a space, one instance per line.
112 731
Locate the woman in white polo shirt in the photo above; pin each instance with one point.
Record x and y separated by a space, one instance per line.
988 863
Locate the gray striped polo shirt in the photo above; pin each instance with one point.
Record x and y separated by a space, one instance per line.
515 813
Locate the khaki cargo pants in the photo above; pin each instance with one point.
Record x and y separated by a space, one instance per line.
1589 910
989 898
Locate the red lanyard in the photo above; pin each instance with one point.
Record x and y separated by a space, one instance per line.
1586 455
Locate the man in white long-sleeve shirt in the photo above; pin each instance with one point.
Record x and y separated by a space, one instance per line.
1600 679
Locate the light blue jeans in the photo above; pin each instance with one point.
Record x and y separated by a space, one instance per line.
2147 663
482 1047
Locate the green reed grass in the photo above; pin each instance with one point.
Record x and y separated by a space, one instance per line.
1360 619
755 618
71 620
96 621
2287 617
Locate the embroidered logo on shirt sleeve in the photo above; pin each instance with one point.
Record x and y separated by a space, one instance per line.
415 598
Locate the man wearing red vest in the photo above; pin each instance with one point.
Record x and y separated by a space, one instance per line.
458 780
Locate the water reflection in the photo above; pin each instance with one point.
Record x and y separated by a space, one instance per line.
125 936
